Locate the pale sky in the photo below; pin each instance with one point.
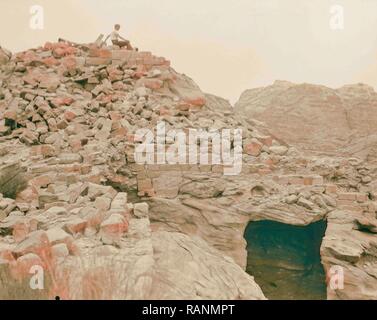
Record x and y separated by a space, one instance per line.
225 46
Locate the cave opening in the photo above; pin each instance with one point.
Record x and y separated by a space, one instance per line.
285 260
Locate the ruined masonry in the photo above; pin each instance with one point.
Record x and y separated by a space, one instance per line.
73 200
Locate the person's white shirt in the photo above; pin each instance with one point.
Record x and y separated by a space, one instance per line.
114 36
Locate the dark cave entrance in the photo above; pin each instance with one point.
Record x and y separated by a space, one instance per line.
285 260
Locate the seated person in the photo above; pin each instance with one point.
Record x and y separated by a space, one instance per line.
118 40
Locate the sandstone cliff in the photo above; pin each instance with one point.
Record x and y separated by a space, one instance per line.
327 120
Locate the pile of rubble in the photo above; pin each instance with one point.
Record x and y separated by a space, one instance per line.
68 117
102 226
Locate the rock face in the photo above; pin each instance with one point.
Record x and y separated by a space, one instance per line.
70 188
327 120
334 126
5 56
102 226
179 258
353 249
12 178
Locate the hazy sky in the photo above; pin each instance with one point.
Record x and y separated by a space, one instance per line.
225 46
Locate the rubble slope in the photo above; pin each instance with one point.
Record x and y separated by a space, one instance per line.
75 202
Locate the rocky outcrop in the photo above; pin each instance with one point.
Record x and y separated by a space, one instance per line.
68 117
337 123
103 226
354 249
143 265
5 56
180 259
328 120
12 179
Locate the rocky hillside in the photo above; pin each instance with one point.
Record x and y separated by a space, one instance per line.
327 120
74 201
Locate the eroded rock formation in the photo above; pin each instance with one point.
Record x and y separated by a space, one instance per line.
103 226
328 120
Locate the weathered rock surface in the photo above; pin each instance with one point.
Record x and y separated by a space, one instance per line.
355 251
74 201
338 123
12 178
312 117
180 258
5 56
68 116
